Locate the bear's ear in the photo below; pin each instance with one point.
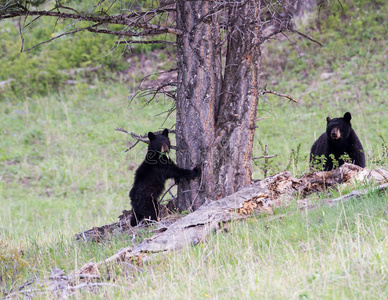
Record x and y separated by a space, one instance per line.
165 132
151 136
347 117
328 119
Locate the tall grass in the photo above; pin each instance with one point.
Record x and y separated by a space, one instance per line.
327 253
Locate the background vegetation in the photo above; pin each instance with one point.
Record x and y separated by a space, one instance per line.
64 169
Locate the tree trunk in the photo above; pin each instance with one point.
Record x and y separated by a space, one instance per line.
236 115
199 82
215 113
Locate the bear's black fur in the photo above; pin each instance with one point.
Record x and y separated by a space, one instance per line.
151 176
339 139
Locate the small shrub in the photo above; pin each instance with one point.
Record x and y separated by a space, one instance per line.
294 157
318 163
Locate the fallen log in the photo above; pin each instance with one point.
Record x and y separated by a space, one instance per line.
261 197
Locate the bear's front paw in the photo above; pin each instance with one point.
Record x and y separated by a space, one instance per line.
197 171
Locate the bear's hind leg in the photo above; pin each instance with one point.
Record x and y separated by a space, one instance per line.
136 218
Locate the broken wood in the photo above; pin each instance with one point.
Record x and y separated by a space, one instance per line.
261 197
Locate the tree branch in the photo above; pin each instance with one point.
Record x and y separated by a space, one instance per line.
266 156
54 38
305 36
265 91
142 138
115 19
168 190
146 42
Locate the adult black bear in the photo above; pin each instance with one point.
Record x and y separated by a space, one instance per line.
151 176
339 139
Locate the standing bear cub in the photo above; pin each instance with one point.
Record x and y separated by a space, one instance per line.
151 176
339 139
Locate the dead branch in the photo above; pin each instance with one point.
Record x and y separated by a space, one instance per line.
145 42
168 89
305 36
266 156
202 262
55 289
142 138
106 19
54 38
306 203
153 92
355 194
265 91
132 146
168 190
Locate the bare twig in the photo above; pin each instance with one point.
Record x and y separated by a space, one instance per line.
266 156
114 19
202 262
132 146
258 119
146 42
55 37
168 190
91 284
153 92
356 194
265 91
292 44
305 36
142 138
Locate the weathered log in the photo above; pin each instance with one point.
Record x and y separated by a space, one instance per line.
277 190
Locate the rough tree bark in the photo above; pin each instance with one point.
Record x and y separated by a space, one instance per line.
236 113
199 84
216 112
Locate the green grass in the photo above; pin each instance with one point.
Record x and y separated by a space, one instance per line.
64 169
63 163
327 253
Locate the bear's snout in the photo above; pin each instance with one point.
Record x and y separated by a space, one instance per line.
165 149
335 134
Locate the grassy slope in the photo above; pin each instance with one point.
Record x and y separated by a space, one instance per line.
63 168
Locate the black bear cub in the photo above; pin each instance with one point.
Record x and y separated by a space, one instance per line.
338 140
151 176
